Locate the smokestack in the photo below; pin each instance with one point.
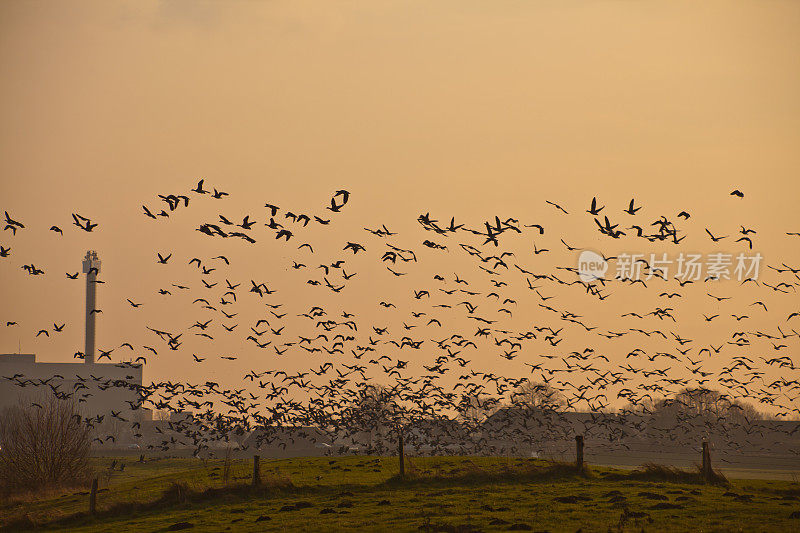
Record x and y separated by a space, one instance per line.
91 267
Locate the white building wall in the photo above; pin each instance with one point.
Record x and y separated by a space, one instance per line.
98 388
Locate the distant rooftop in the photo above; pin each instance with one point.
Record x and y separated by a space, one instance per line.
17 358
30 359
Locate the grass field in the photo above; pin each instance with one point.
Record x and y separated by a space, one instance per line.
439 494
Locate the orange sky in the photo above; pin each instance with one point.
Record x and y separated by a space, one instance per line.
465 109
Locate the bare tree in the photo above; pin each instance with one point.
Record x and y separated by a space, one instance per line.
705 404
162 415
376 412
538 396
43 445
474 408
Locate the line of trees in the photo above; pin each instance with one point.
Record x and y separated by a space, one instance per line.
378 407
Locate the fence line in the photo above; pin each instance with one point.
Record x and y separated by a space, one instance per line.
154 478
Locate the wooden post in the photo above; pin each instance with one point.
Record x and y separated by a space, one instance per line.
93 497
401 453
256 471
141 458
706 462
579 452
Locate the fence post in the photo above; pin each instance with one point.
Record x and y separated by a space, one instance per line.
579 452
256 471
706 462
93 497
401 452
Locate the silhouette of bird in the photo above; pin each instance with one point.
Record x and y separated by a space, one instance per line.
83 223
631 210
355 247
594 210
557 207
713 238
12 224
199 188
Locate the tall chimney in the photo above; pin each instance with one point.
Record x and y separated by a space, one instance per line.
91 267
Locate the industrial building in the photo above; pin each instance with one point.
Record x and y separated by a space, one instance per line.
107 392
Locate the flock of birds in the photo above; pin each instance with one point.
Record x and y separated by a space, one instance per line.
506 335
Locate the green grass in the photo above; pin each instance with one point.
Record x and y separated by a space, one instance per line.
443 493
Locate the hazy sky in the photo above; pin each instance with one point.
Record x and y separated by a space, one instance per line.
461 108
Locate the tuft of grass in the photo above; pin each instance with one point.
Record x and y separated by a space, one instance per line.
659 472
471 473
177 494
40 493
20 523
181 493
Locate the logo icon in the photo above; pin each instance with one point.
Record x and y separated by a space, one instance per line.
591 266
